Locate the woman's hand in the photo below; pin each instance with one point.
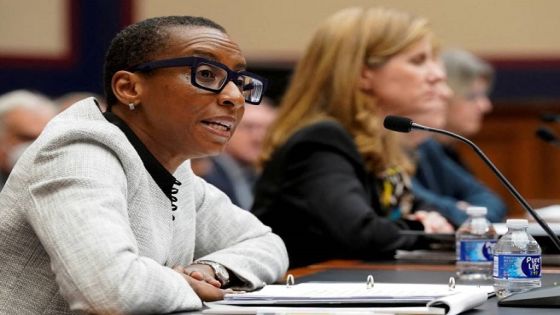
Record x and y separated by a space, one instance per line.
201 280
203 273
433 222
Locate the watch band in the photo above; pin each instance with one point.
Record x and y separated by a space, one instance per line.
220 271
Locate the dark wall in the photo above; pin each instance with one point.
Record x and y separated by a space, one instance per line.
527 80
95 22
518 82
93 25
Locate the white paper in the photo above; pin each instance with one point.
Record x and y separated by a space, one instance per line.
213 308
455 301
458 303
550 213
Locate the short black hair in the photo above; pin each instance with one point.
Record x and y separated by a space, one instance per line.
139 42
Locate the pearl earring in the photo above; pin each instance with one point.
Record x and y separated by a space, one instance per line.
131 106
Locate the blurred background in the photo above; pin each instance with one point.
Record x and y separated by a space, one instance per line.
57 46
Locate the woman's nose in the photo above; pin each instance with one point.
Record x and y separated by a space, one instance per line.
485 104
231 95
436 72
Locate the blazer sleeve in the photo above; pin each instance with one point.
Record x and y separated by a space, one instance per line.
456 184
236 239
79 213
337 199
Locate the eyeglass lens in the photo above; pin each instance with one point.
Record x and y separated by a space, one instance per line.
210 76
214 78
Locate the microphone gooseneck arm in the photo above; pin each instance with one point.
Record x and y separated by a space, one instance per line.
502 178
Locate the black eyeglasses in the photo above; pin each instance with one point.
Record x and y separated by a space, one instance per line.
212 76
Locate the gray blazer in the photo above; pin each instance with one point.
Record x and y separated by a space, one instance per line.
84 227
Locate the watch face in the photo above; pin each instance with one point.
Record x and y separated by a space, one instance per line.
221 274
220 271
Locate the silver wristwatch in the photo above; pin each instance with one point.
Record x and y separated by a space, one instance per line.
220 271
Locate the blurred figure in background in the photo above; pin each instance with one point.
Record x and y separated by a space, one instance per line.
335 183
235 170
23 115
441 182
471 79
64 101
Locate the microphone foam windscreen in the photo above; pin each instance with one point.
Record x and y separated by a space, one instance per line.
546 134
397 123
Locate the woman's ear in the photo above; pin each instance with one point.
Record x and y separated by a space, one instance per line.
366 79
126 87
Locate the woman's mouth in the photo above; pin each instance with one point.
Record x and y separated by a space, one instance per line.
223 126
219 127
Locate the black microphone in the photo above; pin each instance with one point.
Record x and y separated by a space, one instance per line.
535 297
548 136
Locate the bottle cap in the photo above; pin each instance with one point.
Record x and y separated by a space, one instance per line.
477 211
517 223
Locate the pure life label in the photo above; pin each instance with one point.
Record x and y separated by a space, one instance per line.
476 250
517 266
531 265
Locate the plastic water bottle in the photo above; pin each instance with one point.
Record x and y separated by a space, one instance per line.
517 260
475 240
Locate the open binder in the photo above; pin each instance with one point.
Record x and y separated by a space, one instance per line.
451 298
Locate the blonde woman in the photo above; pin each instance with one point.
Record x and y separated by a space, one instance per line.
335 184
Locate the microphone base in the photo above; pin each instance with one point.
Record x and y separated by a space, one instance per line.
539 297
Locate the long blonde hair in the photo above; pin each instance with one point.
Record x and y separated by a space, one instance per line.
325 83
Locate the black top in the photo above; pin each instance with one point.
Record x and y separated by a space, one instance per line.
161 176
316 194
159 173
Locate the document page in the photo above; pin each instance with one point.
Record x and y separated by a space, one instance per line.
350 293
355 298
215 309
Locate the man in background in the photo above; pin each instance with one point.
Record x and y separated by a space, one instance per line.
235 170
23 115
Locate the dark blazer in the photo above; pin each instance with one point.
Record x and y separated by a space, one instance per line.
317 195
234 179
440 183
219 178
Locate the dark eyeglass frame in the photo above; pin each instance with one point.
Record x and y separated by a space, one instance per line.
193 63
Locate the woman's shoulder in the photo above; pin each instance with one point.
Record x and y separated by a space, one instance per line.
83 121
326 132
431 146
81 132
327 136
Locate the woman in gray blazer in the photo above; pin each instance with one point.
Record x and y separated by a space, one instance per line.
103 214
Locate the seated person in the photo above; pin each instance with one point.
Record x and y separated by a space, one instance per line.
103 214
470 78
335 184
440 182
23 115
443 185
235 170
